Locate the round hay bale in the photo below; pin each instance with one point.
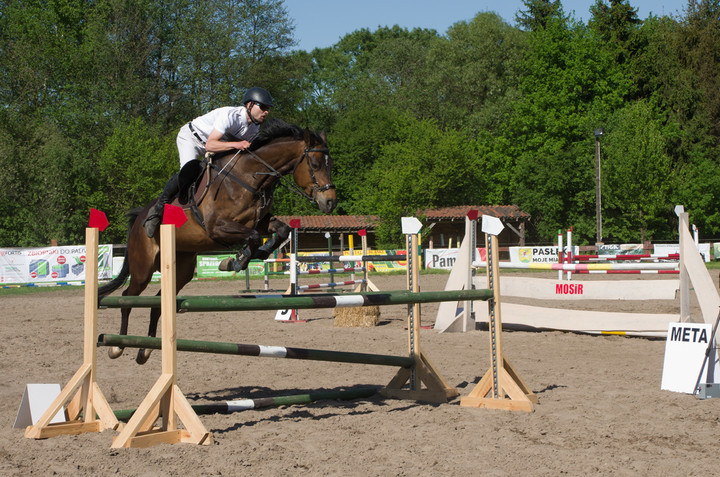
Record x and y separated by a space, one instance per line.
357 316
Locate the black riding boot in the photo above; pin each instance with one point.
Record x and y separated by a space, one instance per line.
155 214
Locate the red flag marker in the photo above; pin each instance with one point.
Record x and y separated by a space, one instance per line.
98 220
362 232
173 214
295 223
472 214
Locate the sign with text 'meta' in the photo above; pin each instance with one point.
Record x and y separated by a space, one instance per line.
685 350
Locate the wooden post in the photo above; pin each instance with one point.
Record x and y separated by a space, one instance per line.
423 372
503 384
165 398
81 394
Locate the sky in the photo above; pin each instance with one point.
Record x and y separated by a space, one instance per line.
321 23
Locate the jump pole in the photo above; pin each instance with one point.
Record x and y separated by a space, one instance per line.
165 399
81 394
306 302
261 351
501 387
228 407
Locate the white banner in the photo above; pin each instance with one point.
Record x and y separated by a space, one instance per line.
50 264
444 258
668 248
533 254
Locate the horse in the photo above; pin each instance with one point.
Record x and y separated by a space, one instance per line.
230 207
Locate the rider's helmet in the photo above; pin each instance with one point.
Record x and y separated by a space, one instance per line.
258 95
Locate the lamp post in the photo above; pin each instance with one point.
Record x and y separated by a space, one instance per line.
598 196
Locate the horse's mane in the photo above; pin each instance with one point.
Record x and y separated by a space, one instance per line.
275 128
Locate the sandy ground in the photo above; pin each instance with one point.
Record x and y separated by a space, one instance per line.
600 411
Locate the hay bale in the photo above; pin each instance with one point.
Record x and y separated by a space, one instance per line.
357 316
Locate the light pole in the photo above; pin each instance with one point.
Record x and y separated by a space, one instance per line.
598 196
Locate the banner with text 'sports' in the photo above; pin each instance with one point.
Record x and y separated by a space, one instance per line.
50 264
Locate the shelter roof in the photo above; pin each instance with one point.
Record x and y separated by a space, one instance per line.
348 223
340 223
459 212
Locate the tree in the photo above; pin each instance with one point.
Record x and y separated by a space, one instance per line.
637 176
425 167
538 14
475 71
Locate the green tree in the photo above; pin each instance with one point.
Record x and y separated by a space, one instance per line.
425 167
538 14
637 176
135 163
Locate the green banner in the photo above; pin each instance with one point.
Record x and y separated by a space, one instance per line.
207 267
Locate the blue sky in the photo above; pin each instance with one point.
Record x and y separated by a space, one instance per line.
321 23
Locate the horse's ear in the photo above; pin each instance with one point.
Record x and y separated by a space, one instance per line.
307 135
323 136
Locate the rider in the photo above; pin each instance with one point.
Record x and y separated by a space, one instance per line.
223 129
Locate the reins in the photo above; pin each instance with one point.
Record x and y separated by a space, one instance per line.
284 181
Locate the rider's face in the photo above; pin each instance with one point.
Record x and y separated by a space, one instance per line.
258 112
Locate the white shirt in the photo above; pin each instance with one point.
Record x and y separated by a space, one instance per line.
231 121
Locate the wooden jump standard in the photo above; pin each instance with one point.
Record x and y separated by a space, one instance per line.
81 395
501 387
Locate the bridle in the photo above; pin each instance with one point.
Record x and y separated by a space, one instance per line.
316 187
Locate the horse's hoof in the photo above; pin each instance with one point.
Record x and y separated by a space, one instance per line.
115 352
143 355
226 265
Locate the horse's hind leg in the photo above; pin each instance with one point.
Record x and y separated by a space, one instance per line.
143 262
185 268
134 289
117 351
144 353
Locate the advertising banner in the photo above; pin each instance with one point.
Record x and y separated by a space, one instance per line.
444 258
207 267
547 254
50 264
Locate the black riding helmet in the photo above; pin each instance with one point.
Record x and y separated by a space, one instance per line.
258 95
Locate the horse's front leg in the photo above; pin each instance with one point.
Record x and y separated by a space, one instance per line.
253 241
282 232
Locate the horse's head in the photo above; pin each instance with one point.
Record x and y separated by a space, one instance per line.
313 173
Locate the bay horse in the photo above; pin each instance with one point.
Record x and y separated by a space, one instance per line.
232 210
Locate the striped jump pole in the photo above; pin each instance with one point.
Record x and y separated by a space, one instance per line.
581 267
630 272
316 286
644 256
351 258
284 302
330 270
228 407
239 349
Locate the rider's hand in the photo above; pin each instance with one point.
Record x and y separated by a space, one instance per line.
242 145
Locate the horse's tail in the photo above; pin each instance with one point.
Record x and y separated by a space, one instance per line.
122 277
